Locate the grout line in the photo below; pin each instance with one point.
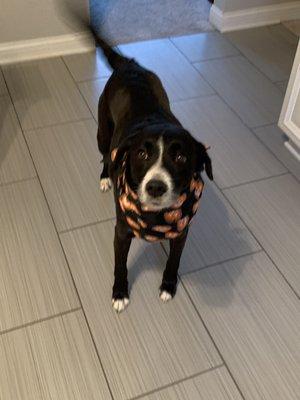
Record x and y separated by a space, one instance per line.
141 396
204 96
281 81
191 64
65 256
255 180
184 274
82 96
206 59
216 58
258 241
32 178
246 225
86 321
163 248
76 228
95 78
270 150
16 328
221 97
252 63
211 338
73 121
251 129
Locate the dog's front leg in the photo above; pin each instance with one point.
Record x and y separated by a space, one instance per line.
169 282
122 241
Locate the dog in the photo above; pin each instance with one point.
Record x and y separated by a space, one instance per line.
152 163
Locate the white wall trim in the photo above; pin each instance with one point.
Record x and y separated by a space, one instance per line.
12 52
253 17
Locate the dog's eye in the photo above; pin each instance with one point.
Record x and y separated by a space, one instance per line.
142 154
180 158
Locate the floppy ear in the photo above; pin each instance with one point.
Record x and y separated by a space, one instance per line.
118 153
203 160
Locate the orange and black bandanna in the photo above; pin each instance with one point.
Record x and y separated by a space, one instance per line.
168 223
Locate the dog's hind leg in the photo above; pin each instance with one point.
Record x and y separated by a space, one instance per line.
104 136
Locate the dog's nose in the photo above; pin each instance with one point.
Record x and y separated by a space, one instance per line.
156 188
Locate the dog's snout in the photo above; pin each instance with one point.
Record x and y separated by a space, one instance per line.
156 188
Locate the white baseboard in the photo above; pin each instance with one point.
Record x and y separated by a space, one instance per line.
253 17
12 52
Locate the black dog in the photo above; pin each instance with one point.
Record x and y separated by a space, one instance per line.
152 162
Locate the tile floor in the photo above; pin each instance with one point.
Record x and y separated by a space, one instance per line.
232 332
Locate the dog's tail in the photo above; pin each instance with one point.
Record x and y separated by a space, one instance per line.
114 58
73 15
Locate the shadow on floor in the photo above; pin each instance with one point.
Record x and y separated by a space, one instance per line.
226 285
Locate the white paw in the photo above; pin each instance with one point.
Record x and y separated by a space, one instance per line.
120 304
105 184
165 296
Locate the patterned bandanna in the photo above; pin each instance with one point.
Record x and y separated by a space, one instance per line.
168 223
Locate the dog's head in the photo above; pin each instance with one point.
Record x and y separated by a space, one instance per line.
161 161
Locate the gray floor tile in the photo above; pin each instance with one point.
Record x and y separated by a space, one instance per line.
68 163
35 282
237 154
44 93
3 89
254 318
87 66
274 138
270 48
15 161
91 91
214 385
252 96
178 76
151 344
54 359
271 210
216 234
204 46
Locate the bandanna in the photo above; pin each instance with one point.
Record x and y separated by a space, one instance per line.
168 223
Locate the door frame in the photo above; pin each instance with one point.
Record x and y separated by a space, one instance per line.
286 122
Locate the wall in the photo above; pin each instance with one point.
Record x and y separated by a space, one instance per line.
33 19
233 5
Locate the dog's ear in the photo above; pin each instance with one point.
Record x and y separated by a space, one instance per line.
203 160
118 154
